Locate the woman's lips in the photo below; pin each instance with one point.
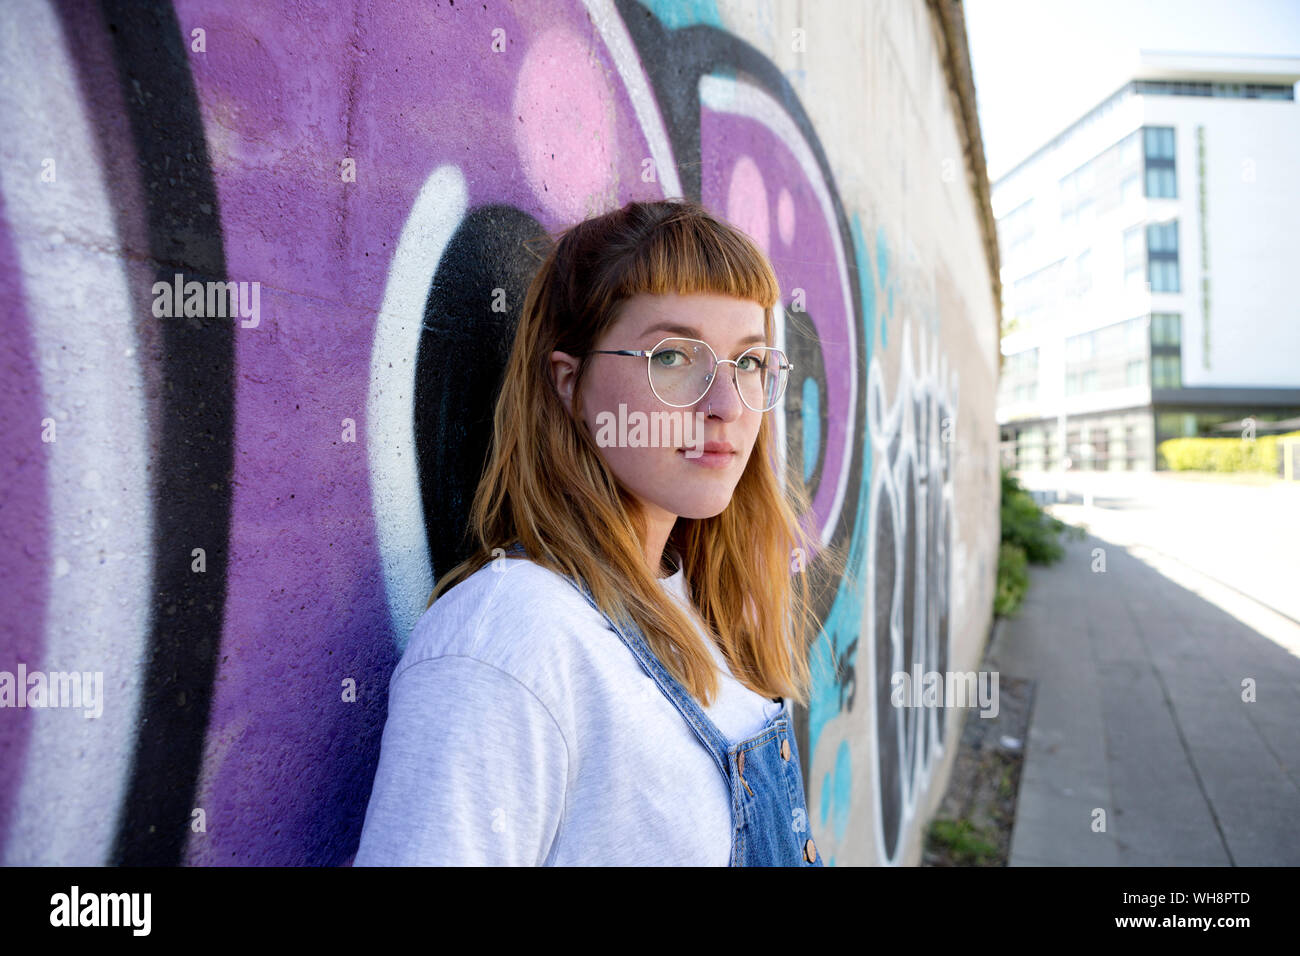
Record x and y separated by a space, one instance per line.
708 459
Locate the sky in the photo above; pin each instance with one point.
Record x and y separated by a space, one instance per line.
1040 64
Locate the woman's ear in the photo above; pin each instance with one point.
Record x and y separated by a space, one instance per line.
564 372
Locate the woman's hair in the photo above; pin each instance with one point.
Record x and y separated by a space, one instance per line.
545 484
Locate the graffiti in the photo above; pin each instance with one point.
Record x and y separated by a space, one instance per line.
909 568
233 520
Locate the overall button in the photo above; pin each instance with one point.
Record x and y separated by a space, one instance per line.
785 749
810 852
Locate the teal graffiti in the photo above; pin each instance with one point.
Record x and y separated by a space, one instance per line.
836 651
834 654
837 792
812 421
674 14
843 788
882 272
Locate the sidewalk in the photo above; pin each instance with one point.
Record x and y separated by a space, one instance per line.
1139 713
1241 530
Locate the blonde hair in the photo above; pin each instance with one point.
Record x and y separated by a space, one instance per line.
546 486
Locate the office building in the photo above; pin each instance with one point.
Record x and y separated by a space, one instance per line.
1151 266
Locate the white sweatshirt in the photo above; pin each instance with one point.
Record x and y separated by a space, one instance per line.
521 731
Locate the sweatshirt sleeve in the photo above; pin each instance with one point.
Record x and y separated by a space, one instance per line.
472 771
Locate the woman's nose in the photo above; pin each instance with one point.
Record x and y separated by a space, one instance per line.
722 396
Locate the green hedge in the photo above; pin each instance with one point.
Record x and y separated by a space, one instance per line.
1223 454
1028 526
1029 536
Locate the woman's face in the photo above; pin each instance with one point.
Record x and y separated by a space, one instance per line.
675 478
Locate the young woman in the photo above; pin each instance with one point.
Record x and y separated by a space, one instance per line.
606 680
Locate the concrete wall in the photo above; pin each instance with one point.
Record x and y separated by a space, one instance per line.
236 519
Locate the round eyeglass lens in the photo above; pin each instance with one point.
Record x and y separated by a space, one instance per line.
760 375
680 373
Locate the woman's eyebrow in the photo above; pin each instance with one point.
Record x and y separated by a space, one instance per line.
694 333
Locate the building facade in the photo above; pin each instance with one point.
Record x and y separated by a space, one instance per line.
1151 266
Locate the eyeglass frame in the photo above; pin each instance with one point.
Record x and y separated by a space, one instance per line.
648 354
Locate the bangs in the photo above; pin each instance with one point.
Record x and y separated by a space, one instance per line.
688 255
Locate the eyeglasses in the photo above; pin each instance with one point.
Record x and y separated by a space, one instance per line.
681 371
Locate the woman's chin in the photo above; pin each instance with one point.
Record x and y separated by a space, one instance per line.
705 507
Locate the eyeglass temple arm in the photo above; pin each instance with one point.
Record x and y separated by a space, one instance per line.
646 353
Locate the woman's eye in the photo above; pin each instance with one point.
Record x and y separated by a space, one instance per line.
754 363
670 358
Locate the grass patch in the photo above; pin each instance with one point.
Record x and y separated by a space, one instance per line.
961 843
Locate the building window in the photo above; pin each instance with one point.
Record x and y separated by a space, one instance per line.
1261 91
1166 371
1162 256
1082 274
1086 178
1069 194
1135 334
1175 425
1137 370
1021 363
1159 152
1129 190
1160 183
1017 227
1163 275
1166 328
1019 380
1035 295
1134 256
1087 213
1080 347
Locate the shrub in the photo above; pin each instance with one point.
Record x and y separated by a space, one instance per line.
1027 526
1259 455
1029 535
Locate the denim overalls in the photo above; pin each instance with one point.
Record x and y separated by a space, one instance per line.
769 814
